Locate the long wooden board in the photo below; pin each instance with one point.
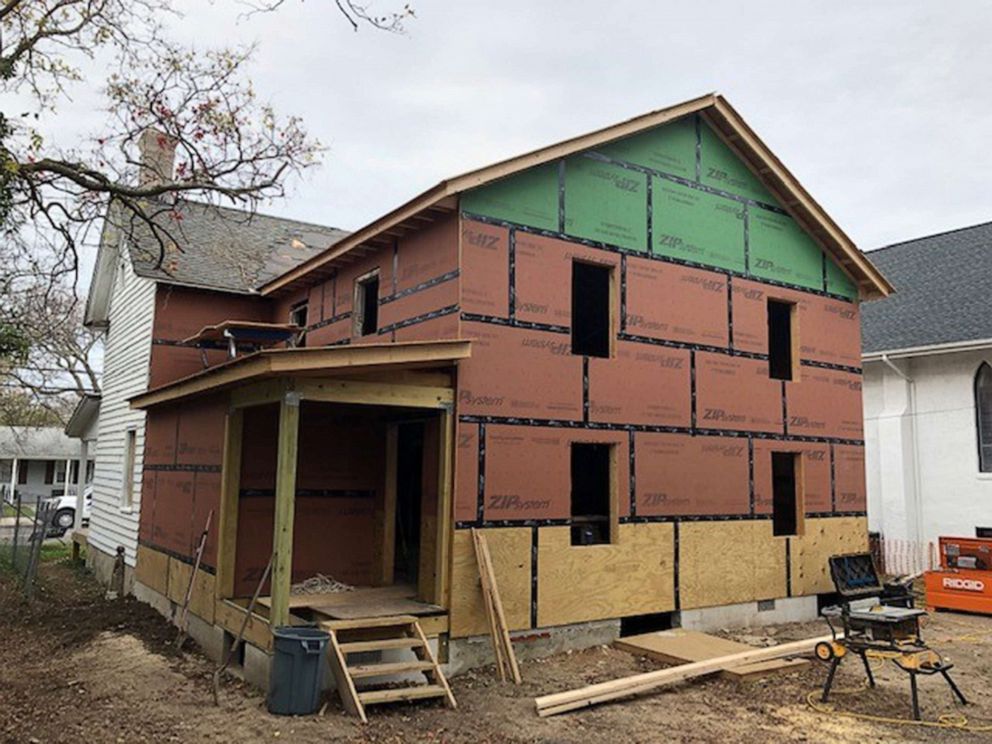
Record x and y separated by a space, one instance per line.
583 697
680 646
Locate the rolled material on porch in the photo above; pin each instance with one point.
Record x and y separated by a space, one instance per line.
562 702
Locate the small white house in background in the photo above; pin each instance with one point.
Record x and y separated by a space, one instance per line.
39 461
927 358
82 428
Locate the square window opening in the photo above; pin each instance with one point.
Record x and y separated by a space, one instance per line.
367 305
780 340
983 532
591 309
298 316
785 497
127 487
592 493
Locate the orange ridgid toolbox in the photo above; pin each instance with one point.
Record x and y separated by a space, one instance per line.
964 579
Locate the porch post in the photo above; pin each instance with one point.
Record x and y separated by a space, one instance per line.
13 478
84 448
445 520
282 538
230 487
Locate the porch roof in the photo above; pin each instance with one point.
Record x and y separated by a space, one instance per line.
270 363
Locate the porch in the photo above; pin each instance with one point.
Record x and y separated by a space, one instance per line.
337 462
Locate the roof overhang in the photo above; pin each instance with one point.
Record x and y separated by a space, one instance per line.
930 350
84 416
308 362
716 111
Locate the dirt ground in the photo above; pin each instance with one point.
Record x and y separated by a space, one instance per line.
76 667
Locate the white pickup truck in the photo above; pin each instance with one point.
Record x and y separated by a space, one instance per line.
65 511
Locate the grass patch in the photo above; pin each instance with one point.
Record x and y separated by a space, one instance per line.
8 510
54 550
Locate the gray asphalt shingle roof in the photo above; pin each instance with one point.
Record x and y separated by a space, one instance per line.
943 291
228 249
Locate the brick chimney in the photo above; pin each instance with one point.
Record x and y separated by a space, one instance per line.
158 158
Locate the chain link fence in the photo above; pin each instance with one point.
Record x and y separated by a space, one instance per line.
26 521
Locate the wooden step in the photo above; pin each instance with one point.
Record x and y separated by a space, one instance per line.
396 667
392 621
396 694
383 644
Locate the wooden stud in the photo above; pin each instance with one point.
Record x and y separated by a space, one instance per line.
282 538
230 485
445 507
388 547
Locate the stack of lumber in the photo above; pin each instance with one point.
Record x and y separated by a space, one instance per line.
680 646
603 692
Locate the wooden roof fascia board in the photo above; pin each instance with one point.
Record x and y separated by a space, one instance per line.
880 286
275 362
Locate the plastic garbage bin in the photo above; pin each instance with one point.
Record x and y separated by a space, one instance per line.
297 673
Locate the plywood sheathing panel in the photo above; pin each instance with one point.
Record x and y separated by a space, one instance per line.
202 599
152 569
519 372
258 459
169 362
593 582
829 330
200 439
816 474
331 333
529 197
697 226
679 474
849 477
427 253
445 326
510 549
544 277
641 385
160 436
736 393
485 276
380 260
146 518
206 498
606 203
823 538
173 527
466 494
180 312
729 562
825 403
528 470
676 303
781 251
417 304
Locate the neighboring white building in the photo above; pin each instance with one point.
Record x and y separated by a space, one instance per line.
37 461
927 351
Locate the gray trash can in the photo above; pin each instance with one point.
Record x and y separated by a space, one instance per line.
297 673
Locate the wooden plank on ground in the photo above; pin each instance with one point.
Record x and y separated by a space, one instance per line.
494 607
562 702
681 646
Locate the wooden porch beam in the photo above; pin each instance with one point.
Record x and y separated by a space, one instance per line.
375 393
282 538
229 489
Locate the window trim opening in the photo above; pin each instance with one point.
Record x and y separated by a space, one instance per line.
783 353
604 347
301 308
788 512
602 526
366 323
127 468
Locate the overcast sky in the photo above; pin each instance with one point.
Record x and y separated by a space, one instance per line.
880 108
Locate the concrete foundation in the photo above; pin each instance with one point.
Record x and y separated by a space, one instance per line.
749 614
102 566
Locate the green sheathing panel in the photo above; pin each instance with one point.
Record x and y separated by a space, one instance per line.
694 225
838 282
782 251
722 169
527 198
606 203
669 149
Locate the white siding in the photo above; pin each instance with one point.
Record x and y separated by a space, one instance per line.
127 356
922 437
